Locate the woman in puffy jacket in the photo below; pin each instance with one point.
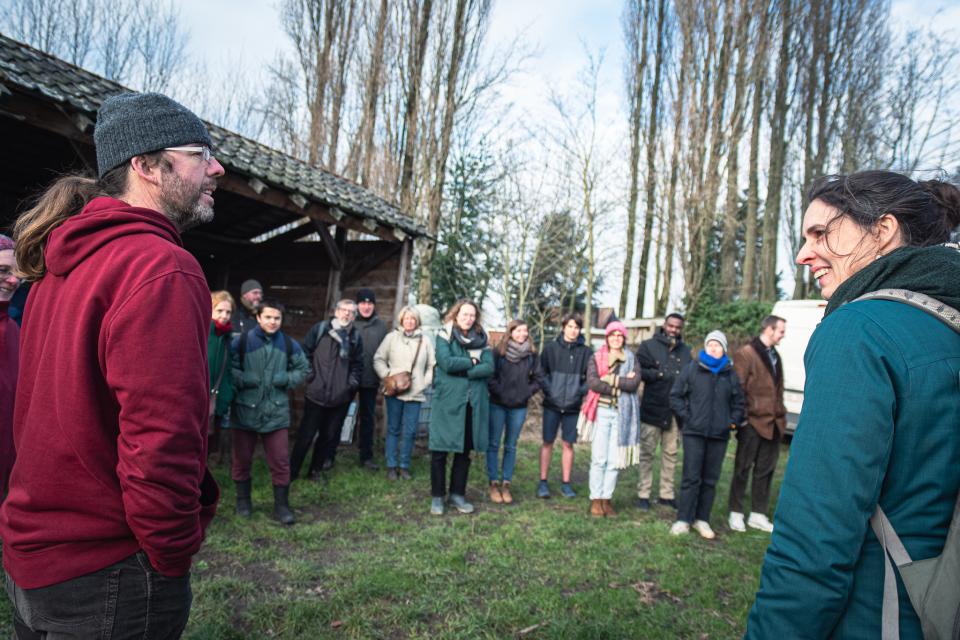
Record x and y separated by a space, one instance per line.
405 350
707 400
515 380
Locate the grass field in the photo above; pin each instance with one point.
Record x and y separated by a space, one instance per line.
367 560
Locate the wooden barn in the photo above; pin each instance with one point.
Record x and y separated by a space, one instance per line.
310 237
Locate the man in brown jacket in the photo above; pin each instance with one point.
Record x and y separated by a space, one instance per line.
760 369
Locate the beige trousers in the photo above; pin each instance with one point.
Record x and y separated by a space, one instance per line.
668 439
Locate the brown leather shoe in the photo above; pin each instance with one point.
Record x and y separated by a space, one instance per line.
505 492
495 496
596 508
608 509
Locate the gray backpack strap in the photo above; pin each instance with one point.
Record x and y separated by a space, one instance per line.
892 549
945 313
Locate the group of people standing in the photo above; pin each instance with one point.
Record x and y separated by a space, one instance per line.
109 495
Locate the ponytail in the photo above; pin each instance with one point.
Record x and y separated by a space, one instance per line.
946 204
64 198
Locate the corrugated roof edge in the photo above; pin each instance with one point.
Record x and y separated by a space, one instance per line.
323 187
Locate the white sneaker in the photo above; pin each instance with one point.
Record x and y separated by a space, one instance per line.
679 528
736 521
703 528
760 521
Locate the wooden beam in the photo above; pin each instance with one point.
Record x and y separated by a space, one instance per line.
280 199
402 276
336 275
370 261
336 256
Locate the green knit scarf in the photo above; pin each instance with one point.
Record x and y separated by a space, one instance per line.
934 271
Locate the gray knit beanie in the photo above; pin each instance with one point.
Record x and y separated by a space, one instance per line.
717 335
131 124
249 285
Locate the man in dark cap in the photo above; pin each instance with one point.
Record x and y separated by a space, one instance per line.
109 495
245 318
372 330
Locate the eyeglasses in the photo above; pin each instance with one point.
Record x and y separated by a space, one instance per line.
203 150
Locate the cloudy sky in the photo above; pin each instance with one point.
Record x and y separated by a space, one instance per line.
223 32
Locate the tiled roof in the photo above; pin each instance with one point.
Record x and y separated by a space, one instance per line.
37 72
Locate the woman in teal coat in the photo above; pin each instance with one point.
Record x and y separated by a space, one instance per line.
881 410
459 419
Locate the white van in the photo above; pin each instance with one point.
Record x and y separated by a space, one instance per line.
802 318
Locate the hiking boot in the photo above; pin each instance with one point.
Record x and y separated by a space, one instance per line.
668 502
736 522
436 506
369 465
543 491
703 528
460 504
643 504
608 509
679 528
244 505
505 492
567 491
391 473
405 474
760 521
596 508
281 504
495 496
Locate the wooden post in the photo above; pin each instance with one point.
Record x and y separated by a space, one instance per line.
402 277
336 270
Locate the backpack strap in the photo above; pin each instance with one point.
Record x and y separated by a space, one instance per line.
893 548
288 346
242 349
945 313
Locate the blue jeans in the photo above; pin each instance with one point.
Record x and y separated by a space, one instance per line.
402 420
513 419
128 599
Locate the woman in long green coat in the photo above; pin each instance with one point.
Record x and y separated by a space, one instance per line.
881 411
221 382
461 403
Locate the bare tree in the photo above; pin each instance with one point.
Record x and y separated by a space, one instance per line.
636 15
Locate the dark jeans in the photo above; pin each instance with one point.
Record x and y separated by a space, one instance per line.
702 461
753 451
460 468
275 446
328 421
367 420
128 599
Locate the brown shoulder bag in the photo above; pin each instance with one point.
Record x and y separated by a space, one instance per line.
397 383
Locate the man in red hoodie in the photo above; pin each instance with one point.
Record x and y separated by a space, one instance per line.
109 495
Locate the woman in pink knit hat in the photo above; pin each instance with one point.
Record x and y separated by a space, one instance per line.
610 417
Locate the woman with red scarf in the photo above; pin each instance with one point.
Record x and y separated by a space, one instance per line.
610 417
218 357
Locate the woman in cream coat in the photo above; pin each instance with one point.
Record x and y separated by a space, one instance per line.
404 349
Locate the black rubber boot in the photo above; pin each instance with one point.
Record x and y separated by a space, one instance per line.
281 504
244 506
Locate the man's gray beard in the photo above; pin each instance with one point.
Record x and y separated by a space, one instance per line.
185 210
